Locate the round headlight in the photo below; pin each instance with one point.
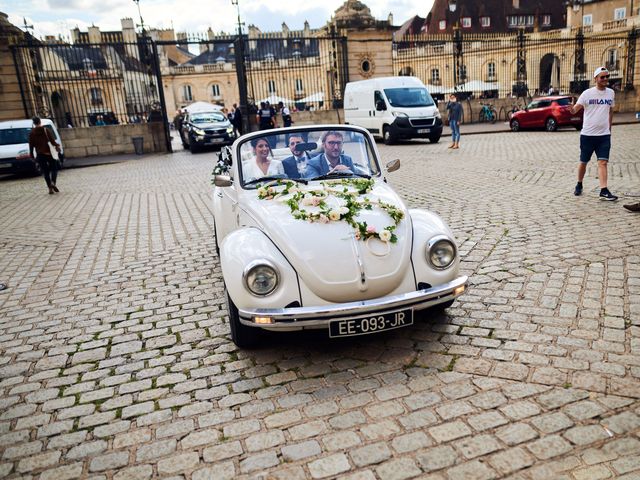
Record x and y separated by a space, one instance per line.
441 252
261 278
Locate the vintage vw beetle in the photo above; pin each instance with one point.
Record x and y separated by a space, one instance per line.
310 235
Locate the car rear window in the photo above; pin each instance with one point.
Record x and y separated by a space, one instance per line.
563 101
14 136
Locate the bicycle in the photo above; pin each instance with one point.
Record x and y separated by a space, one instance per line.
487 113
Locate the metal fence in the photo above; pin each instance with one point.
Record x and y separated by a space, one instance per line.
521 64
308 73
84 85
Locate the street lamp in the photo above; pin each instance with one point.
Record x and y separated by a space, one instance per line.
137 2
237 5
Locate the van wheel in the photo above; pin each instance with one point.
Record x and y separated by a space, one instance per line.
434 139
387 138
242 336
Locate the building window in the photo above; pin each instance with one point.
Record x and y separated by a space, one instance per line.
435 76
619 13
587 20
96 96
466 22
462 77
485 22
491 71
271 87
546 20
186 93
215 90
442 25
520 21
299 85
612 60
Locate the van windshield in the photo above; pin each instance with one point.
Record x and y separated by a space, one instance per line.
14 136
408 97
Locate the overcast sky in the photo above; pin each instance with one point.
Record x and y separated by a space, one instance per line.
53 17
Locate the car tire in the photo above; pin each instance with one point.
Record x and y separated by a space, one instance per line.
515 125
578 127
434 139
242 336
387 137
194 148
551 125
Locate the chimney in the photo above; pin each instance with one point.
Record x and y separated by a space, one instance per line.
94 34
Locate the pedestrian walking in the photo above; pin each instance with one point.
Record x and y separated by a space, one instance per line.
39 139
455 117
595 136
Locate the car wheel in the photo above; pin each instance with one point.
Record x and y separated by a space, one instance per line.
551 125
387 138
33 170
194 148
515 125
434 139
578 127
242 336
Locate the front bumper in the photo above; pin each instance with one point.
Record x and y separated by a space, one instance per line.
317 317
409 128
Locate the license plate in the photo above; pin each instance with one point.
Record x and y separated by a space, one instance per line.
370 324
216 140
5 165
424 130
575 119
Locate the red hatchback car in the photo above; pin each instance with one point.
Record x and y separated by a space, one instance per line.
548 113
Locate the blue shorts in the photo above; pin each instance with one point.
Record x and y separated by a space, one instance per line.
600 144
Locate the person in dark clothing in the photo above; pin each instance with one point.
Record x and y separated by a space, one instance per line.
266 116
39 140
237 119
455 117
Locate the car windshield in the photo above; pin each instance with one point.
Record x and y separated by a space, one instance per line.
563 101
14 136
307 155
207 117
408 97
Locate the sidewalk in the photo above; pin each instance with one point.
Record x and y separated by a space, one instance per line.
467 129
477 128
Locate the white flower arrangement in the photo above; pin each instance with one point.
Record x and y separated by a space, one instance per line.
354 201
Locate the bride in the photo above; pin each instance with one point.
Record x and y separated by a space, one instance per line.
263 165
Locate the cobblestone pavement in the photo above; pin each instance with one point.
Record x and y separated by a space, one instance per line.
116 362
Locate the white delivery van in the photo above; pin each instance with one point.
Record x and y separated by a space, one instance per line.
14 146
393 108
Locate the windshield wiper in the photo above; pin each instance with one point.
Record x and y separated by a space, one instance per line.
341 173
274 177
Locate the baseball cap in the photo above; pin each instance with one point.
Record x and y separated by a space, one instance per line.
600 70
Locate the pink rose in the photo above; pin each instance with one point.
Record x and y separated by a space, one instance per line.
371 229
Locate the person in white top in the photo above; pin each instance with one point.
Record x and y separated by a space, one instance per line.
262 165
597 103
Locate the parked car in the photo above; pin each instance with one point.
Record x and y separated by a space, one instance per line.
336 249
206 129
14 146
548 113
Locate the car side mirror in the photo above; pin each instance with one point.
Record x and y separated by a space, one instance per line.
222 181
380 105
393 165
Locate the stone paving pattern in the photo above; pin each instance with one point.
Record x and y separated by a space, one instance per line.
116 361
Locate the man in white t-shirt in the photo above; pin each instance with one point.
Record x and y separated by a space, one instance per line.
595 137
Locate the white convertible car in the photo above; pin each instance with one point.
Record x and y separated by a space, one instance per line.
310 235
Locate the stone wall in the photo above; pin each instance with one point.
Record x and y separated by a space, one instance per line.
112 139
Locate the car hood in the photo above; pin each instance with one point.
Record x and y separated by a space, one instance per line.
328 258
204 126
